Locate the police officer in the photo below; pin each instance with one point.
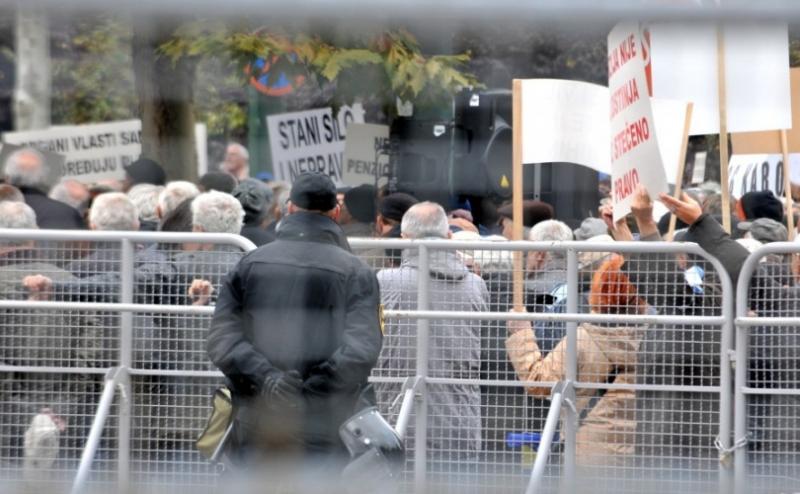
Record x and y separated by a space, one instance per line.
296 331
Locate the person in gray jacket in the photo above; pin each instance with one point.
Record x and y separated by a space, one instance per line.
454 349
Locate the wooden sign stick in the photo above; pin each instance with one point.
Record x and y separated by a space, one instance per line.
681 167
723 132
516 191
787 186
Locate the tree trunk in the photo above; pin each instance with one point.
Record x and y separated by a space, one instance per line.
166 99
33 81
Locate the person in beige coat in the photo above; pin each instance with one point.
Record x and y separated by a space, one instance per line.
606 354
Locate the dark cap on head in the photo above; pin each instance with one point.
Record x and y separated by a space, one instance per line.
219 181
360 201
313 192
394 206
762 204
254 196
533 212
146 171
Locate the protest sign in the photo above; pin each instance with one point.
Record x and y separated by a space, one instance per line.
363 160
752 172
635 155
770 141
669 116
565 121
92 152
311 141
95 152
756 58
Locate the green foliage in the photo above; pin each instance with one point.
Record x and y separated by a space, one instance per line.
392 63
92 72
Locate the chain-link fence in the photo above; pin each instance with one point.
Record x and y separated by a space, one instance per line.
767 411
644 346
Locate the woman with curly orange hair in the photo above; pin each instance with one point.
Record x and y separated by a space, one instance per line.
606 355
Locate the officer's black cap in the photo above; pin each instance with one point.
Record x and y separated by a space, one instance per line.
394 206
313 192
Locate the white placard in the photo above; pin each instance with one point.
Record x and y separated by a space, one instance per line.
363 160
200 143
751 172
311 141
95 152
670 117
635 155
758 96
699 169
565 121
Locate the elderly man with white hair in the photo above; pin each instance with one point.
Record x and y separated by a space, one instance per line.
26 169
454 410
237 161
145 198
203 264
546 272
173 195
113 211
72 193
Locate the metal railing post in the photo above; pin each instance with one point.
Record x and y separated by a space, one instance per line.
114 377
726 384
571 374
557 397
126 362
740 379
421 422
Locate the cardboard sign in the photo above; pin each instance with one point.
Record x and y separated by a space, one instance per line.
635 155
311 141
95 152
751 172
684 66
364 163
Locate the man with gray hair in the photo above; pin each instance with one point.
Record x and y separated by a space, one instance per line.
201 265
237 161
454 410
72 193
173 195
26 169
546 272
145 198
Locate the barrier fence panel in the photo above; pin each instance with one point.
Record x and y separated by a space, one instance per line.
768 370
653 379
54 360
649 365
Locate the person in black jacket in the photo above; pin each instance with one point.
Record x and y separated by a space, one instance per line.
26 170
296 331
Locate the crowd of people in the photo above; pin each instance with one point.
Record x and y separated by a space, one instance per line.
469 421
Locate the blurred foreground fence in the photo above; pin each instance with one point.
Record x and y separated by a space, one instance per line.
648 395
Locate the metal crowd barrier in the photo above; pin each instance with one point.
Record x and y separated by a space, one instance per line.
767 381
172 382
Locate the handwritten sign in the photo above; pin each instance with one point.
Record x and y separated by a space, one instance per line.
635 155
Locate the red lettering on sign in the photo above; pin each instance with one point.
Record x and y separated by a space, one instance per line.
625 185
